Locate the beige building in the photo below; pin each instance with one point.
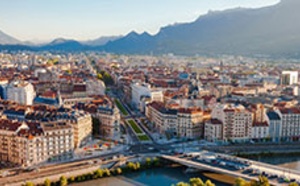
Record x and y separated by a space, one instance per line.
163 119
237 121
29 144
82 125
110 122
108 115
179 122
190 122
213 130
80 121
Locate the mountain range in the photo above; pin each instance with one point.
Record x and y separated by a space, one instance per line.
271 31
7 39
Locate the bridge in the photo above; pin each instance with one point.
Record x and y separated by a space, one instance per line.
236 167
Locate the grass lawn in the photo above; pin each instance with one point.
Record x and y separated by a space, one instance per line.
134 126
121 108
143 138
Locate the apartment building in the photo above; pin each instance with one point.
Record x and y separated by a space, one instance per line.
289 77
141 90
107 113
213 130
260 131
27 143
81 121
275 127
110 122
163 119
182 122
237 121
21 92
190 122
290 123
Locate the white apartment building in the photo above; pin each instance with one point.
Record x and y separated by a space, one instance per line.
289 77
213 130
138 91
260 131
290 123
21 92
237 121
274 122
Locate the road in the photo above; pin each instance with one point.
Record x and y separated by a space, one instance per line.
65 168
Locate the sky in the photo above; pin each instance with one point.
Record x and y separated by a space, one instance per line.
45 20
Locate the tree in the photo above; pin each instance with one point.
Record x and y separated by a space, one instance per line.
182 184
28 183
196 182
96 126
63 181
107 78
72 179
99 76
137 165
155 161
112 171
148 161
131 166
106 172
253 183
209 183
119 171
47 182
263 181
241 182
99 173
69 71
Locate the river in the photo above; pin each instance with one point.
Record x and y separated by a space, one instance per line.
166 176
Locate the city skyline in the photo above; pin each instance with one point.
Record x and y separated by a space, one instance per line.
30 21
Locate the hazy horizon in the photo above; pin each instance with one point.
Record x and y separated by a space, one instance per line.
40 21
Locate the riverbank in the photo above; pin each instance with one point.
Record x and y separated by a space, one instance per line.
221 178
165 176
120 180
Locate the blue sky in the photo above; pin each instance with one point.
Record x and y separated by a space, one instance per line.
44 20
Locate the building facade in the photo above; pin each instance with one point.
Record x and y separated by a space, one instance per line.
275 129
213 130
289 77
29 143
237 121
21 92
290 123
